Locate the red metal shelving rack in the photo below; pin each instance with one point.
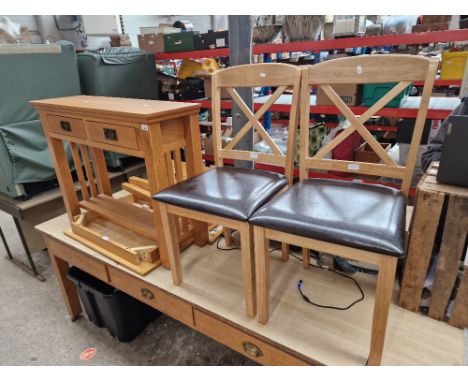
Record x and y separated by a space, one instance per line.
341 43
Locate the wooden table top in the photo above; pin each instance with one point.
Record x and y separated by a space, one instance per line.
213 281
114 105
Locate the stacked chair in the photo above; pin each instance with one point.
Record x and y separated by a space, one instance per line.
350 219
230 195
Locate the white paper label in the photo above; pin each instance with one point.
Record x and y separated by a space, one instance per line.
171 96
220 42
263 75
106 238
359 69
144 127
353 166
254 155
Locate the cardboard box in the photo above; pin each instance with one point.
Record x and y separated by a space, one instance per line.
365 153
430 27
432 19
153 43
349 93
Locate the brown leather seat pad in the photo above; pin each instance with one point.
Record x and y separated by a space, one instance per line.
355 214
230 192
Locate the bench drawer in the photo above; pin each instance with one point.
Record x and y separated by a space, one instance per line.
116 135
149 294
71 127
243 343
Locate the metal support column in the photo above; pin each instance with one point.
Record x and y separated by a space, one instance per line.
240 48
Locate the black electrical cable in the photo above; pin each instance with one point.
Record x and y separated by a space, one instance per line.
307 299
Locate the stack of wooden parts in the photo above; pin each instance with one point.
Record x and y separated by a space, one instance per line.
430 200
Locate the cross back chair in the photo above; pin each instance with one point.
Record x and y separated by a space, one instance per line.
229 195
354 220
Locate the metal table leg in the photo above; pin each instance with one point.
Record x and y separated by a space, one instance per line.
32 269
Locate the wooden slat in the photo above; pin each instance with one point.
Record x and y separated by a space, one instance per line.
79 170
377 169
271 74
169 168
180 174
253 156
89 170
370 69
323 246
419 125
426 216
459 315
100 167
257 126
139 220
360 128
137 192
141 269
108 245
237 138
140 182
451 251
363 118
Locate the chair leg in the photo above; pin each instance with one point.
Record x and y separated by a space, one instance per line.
383 297
248 267
285 251
172 243
227 232
305 257
201 233
262 274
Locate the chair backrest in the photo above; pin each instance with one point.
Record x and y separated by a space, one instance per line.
280 76
394 68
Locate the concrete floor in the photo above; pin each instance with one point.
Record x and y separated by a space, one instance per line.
36 330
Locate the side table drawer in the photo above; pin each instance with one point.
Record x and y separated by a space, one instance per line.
151 295
116 135
244 343
71 127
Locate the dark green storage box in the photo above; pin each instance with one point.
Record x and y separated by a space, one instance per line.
179 42
373 92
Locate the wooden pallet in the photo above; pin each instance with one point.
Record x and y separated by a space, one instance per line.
428 211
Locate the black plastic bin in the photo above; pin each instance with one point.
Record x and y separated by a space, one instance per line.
122 315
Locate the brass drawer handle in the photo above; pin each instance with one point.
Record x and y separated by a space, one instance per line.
110 134
65 126
251 349
146 293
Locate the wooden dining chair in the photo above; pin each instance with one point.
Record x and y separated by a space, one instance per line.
229 195
354 220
